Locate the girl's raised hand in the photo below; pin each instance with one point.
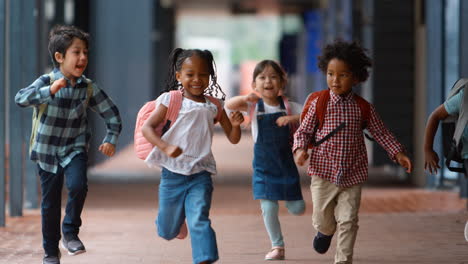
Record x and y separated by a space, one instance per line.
172 151
236 118
252 97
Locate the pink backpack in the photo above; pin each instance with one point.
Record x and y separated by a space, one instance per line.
142 146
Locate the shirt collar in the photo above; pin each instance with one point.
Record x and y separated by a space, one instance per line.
58 74
334 98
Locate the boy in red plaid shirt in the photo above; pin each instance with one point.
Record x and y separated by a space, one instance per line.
339 166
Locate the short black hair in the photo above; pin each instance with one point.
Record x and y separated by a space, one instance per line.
351 53
61 38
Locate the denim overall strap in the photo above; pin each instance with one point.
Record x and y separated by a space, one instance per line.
275 173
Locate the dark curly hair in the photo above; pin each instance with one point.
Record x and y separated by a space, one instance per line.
61 38
349 52
177 58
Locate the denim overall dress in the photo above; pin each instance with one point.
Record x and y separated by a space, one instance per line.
275 174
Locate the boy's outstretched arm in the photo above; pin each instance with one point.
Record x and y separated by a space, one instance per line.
431 159
39 92
231 126
149 132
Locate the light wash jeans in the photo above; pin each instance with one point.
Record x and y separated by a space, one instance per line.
271 219
188 196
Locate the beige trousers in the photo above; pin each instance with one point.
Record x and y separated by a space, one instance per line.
336 209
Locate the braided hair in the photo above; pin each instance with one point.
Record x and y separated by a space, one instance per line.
177 58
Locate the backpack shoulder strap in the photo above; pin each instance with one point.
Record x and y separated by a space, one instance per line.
460 84
364 106
321 107
216 102
51 77
89 91
308 102
37 114
287 105
39 110
175 102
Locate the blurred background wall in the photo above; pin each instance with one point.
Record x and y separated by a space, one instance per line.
419 47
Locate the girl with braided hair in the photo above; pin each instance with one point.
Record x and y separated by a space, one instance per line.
184 151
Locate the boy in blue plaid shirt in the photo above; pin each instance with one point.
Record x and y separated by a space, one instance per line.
62 137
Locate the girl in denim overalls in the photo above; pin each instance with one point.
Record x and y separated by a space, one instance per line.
184 152
275 174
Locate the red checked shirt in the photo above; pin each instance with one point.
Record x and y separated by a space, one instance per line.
342 159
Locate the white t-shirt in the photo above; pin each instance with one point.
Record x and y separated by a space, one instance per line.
193 133
295 110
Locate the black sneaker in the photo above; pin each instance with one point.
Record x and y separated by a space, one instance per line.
322 242
73 245
50 259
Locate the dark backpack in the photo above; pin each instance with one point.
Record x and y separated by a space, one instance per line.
453 127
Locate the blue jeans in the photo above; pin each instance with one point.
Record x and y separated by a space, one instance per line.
51 185
271 219
188 196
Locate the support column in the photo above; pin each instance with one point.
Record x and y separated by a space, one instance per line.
2 112
29 63
435 70
15 144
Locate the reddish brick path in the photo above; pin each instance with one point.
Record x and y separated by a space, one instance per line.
118 228
397 225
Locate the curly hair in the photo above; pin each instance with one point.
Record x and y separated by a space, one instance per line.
351 53
177 58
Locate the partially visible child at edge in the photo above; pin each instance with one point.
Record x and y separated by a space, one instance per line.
63 136
339 166
431 160
275 175
184 151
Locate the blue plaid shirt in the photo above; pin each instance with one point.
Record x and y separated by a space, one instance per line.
63 129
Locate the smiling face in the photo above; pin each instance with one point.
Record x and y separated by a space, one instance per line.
194 76
73 63
268 84
340 79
